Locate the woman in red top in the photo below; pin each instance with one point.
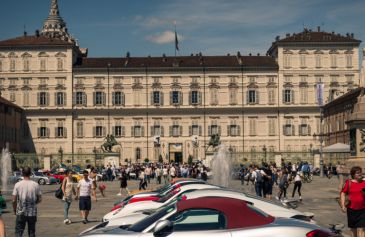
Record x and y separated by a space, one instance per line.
356 208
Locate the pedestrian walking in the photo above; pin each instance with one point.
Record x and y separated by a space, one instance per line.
142 180
158 173
85 189
123 183
283 184
68 190
297 185
354 188
26 196
165 173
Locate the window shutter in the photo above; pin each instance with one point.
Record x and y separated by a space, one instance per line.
55 99
94 131
200 98
180 98
190 130
161 98
162 131
170 131
113 130
247 97
104 131
309 129
142 131
94 95
123 131
47 99
283 96
123 98
219 130
104 98
209 131
132 131
171 99
293 130
84 99
200 130
228 130
238 130
113 98
181 130
152 98
73 98
56 131
284 130
47 132
300 129
39 132
292 97
152 131
64 132
257 97
64 99
190 98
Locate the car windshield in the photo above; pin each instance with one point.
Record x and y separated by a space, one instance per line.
164 188
149 220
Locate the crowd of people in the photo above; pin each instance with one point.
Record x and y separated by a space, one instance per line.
264 177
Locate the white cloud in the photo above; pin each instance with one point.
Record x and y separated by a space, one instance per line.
164 37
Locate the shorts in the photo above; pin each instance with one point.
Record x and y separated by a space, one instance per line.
85 203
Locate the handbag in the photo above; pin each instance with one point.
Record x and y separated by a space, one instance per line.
59 193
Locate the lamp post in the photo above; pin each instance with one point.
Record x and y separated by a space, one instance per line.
95 152
264 149
60 151
320 136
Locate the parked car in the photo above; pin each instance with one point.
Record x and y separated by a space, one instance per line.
60 175
42 179
153 194
160 200
208 217
15 177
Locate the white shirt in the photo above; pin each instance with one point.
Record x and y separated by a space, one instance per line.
85 187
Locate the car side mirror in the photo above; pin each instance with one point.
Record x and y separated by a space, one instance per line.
161 227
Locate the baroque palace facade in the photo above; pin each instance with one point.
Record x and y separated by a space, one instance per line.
255 103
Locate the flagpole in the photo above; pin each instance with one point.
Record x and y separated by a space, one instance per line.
175 38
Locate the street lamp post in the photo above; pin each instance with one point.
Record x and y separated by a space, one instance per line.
264 149
95 151
60 151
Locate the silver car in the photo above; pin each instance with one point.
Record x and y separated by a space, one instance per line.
212 216
42 179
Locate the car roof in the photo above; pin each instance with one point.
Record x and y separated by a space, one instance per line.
237 212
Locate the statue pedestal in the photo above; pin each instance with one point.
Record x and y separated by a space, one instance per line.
111 160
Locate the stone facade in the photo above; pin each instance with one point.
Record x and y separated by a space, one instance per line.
169 106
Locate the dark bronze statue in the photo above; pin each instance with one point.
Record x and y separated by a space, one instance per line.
109 142
214 141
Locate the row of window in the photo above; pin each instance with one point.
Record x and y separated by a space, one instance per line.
174 130
302 59
25 66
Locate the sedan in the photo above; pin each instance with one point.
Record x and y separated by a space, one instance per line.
208 217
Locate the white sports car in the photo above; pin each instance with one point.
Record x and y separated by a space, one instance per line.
213 216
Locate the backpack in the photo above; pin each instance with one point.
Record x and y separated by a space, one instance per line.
259 178
59 193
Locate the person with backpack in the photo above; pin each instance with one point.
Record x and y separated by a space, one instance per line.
68 190
257 175
297 185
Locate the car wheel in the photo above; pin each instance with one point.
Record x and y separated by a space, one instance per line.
42 182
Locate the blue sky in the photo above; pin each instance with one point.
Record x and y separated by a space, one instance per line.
110 28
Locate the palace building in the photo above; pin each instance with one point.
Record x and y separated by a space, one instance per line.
168 107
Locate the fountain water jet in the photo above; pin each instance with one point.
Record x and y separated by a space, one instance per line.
5 168
221 167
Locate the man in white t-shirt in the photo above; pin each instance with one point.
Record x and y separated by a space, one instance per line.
85 188
26 196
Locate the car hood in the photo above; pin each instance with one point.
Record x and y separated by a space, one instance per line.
109 231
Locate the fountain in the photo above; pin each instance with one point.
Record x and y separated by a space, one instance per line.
221 166
5 168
